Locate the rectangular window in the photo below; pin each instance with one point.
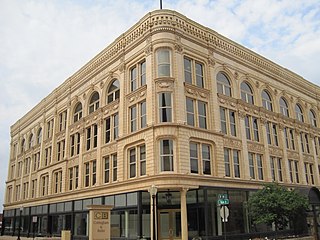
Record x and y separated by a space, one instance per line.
232 162
62 120
296 168
223 120
142 73
190 111
228 121
202 112
143 160
49 128
193 72
60 150
71 179
106 169
165 107
255 166
308 168
33 188
272 134
293 171
75 144
163 61
132 163
115 126
57 184
44 185
206 159
133 119
108 130
166 154
133 79
115 167
143 114
252 128
90 177
110 168
92 137
47 158
200 158
194 158
290 162
276 168
227 165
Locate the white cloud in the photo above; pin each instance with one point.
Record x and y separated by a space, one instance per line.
44 42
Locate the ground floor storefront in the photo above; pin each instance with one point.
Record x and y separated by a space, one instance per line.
172 214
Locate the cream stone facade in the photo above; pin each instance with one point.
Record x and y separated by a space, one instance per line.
173 104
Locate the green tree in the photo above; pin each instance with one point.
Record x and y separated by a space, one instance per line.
276 204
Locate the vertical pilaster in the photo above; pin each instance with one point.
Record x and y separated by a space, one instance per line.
245 163
184 214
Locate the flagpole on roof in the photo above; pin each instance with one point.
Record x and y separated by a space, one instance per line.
160 4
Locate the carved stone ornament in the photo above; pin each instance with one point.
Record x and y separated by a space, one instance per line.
255 147
148 49
236 75
211 61
164 84
232 143
178 48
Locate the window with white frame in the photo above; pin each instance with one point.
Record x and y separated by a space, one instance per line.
57 182
138 75
94 102
47 156
290 138
111 125
272 133
165 107
228 121
62 120
299 113
266 100
255 166
50 128
193 72
304 139
27 163
39 136
73 178
110 168
200 158
294 171
163 62
276 169
113 92
75 144
34 188
138 116
232 162
60 150
137 161
77 115
31 141
44 185
92 137
90 173
284 109
246 93
25 190
312 118
166 155
309 173
252 128
223 84
196 113
17 195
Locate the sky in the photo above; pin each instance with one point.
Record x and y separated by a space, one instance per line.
43 42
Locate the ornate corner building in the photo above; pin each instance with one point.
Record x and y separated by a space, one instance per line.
170 104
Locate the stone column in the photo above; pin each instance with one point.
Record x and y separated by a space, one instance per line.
184 215
99 222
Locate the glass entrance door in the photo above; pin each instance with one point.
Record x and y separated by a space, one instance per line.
169 225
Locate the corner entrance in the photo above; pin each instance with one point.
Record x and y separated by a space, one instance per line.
169 224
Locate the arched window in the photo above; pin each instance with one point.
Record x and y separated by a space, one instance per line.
39 136
23 145
299 113
284 107
94 102
246 93
31 141
266 100
223 84
114 91
313 118
77 112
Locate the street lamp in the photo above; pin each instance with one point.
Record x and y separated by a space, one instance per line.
153 192
21 209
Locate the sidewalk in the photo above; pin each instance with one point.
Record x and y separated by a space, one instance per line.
30 238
